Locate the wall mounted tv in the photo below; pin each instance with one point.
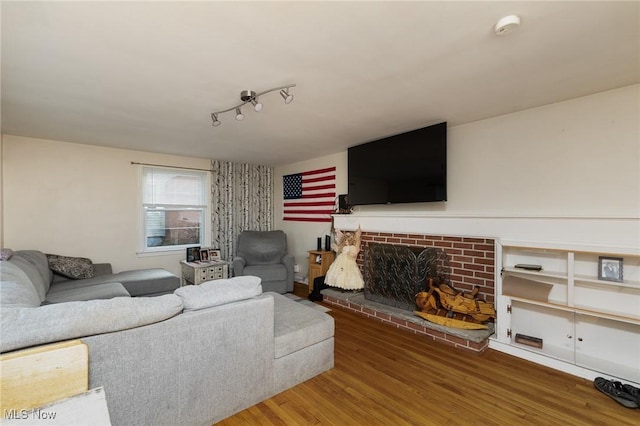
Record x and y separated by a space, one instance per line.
406 168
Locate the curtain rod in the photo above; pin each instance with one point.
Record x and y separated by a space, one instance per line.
171 167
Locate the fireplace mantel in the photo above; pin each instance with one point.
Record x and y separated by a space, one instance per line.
620 233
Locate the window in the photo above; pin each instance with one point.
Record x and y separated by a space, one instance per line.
174 211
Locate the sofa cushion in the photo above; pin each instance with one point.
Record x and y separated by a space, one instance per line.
24 327
262 247
97 291
137 283
298 326
267 272
147 281
67 284
16 289
34 264
75 268
219 292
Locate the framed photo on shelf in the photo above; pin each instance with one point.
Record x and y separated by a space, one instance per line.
214 254
204 255
193 254
610 268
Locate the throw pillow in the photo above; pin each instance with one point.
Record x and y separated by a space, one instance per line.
6 253
71 267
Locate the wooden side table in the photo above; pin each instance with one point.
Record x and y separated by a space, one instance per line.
194 273
319 262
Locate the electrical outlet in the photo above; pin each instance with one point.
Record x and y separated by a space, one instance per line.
296 268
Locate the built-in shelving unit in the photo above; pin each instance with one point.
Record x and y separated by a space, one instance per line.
564 315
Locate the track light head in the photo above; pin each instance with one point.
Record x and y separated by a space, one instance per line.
288 98
239 115
216 122
257 106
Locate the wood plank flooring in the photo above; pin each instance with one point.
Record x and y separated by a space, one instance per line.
386 376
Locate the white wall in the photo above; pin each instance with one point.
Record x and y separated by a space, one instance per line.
563 172
302 236
567 173
78 200
1 195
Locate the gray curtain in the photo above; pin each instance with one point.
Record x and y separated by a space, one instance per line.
242 199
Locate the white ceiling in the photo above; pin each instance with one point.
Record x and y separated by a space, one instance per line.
147 75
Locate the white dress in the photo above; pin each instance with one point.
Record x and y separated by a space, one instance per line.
344 272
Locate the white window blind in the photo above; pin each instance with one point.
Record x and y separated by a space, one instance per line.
174 208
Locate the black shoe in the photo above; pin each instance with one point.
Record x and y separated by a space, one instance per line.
633 391
316 297
616 391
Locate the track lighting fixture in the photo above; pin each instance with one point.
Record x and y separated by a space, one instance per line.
251 97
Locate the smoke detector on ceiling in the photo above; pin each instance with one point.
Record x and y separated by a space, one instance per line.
507 24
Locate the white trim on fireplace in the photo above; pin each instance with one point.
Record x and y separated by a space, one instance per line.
620 234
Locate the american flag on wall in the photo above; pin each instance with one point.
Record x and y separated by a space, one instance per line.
309 196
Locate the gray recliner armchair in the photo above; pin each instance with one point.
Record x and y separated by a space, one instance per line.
264 254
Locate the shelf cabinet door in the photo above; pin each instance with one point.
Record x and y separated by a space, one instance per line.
554 327
611 347
503 326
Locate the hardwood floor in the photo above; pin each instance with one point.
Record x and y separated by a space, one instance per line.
385 376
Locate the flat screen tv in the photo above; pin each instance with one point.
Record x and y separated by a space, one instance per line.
406 168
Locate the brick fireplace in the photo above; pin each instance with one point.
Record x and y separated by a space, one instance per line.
472 260
471 263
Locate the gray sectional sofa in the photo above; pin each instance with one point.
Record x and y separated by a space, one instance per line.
193 357
101 284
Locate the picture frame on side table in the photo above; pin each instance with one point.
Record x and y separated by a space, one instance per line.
214 255
610 268
204 255
193 254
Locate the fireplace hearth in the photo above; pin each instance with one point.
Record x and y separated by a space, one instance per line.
476 341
